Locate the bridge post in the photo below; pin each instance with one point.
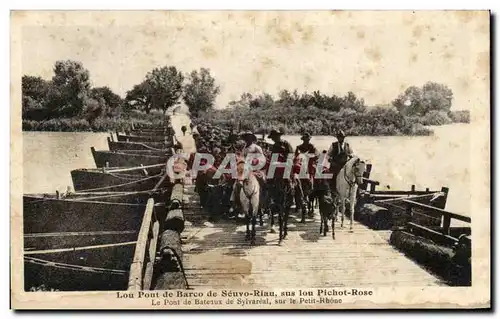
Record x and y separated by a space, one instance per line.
446 224
409 213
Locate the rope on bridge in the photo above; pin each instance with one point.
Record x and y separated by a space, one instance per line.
47 263
62 250
85 233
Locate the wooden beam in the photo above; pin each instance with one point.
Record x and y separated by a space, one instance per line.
128 169
401 198
438 211
148 273
433 235
397 192
370 181
85 233
135 281
62 250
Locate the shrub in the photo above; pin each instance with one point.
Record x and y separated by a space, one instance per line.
462 116
296 120
435 118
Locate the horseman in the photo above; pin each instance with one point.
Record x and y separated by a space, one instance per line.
339 153
304 186
280 146
306 147
283 148
250 148
250 144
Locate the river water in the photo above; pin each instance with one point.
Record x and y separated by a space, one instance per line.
398 161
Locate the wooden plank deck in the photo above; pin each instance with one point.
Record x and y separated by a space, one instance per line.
217 256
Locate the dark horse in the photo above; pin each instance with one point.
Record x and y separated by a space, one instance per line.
304 186
322 192
281 196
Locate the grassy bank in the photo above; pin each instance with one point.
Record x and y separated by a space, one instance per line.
104 124
377 121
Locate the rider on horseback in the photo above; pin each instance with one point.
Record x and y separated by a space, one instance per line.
250 148
283 148
280 146
338 154
306 147
304 186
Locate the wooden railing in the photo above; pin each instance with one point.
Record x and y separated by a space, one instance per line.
443 234
141 269
169 267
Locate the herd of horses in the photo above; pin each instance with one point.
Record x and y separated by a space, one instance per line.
258 196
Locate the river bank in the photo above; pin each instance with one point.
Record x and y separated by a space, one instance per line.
121 123
377 121
373 122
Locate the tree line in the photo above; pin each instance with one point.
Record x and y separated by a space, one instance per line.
69 94
414 101
69 102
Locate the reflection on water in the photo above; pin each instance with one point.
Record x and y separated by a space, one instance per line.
48 158
398 161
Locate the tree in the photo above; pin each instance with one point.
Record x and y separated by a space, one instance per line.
93 109
305 100
34 94
351 101
35 87
410 102
110 101
140 97
201 90
287 98
265 100
69 90
165 87
243 102
419 101
436 97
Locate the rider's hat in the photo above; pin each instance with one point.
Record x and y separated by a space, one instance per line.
340 133
306 136
275 132
248 135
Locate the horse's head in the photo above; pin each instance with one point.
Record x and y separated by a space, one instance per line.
358 169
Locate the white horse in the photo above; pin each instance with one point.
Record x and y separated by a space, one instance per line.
249 198
348 180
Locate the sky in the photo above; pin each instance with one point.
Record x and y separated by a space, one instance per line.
377 55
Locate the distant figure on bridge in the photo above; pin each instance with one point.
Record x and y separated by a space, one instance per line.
338 154
184 129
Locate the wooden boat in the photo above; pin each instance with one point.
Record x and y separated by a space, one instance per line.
122 159
99 242
147 133
141 138
392 200
136 127
120 179
122 146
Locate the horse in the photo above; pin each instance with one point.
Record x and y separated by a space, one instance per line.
322 193
281 194
249 202
304 186
348 180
